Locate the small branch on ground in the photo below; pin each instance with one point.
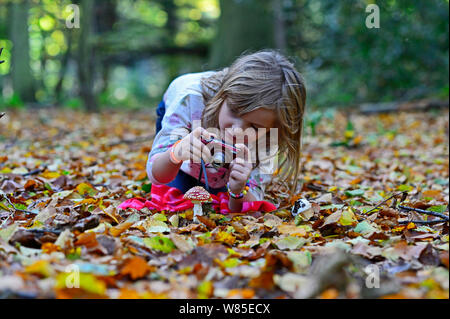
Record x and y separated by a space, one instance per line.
427 212
14 207
423 222
394 195
36 171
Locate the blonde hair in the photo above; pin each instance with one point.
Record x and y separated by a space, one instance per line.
263 79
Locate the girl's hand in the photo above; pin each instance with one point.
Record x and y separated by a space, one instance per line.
240 167
192 148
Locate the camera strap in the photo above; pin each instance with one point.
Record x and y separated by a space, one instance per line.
203 169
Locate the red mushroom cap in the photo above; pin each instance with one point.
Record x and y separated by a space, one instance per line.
198 194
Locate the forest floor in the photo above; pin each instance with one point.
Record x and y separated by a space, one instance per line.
64 173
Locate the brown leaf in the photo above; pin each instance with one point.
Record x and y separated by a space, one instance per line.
264 280
433 193
210 224
30 185
119 229
86 239
136 267
240 230
87 223
429 256
444 258
388 212
9 186
108 243
289 229
276 259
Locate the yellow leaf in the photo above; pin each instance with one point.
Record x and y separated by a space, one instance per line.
128 294
245 293
88 201
50 175
5 170
119 229
48 248
349 134
112 216
357 139
411 226
347 218
85 188
87 282
40 267
225 237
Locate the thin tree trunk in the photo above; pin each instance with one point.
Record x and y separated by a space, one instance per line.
279 26
86 63
22 78
62 71
105 18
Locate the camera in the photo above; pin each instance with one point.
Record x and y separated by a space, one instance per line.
219 151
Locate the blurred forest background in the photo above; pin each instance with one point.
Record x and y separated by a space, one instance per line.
126 52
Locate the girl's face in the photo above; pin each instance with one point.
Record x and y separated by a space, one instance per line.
231 123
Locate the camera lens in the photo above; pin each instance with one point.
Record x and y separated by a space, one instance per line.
218 160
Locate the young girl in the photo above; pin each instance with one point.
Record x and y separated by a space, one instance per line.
258 91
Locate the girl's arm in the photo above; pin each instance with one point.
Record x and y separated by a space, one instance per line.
175 125
163 169
235 205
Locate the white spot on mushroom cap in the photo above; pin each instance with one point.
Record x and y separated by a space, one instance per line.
198 194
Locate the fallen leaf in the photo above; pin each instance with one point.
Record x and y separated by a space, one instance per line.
225 237
119 229
291 230
136 267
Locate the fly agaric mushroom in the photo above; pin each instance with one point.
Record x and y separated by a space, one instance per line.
198 195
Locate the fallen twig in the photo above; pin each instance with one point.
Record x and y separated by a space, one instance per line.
316 188
384 201
14 207
422 222
43 231
427 212
36 171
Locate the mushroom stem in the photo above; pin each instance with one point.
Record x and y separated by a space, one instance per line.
197 210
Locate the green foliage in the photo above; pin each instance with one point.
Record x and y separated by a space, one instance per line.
141 46
14 102
345 62
73 103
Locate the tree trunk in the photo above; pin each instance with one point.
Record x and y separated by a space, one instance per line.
279 25
22 78
105 19
62 71
86 63
244 25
